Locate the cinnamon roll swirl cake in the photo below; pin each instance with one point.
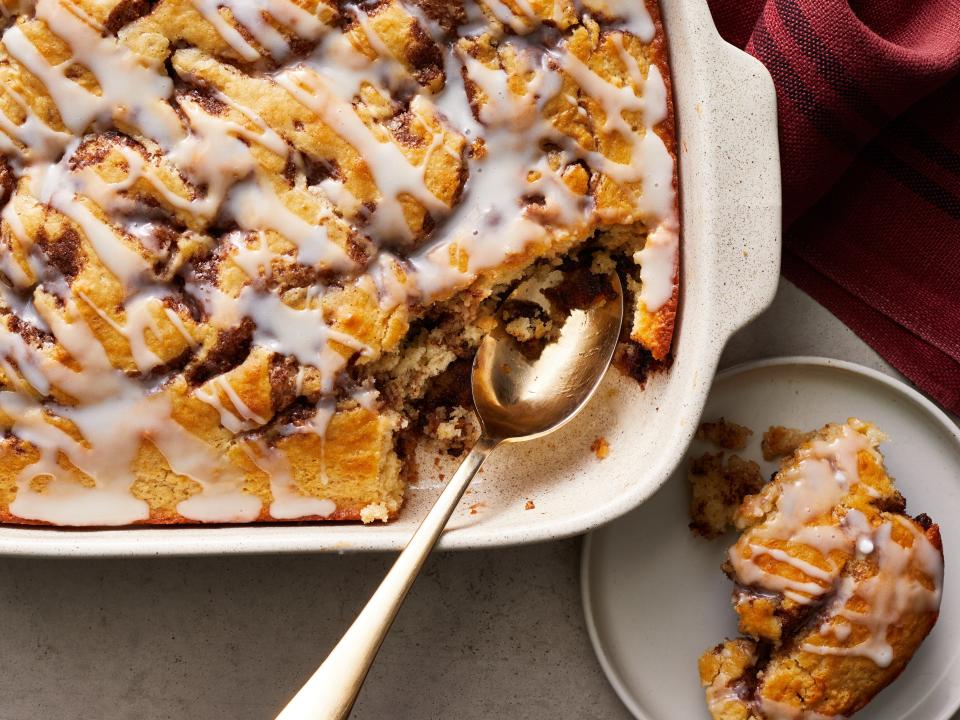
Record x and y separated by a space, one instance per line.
249 246
836 586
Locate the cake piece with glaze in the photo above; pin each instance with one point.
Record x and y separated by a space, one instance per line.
836 587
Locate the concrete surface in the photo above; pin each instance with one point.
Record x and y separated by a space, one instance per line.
495 634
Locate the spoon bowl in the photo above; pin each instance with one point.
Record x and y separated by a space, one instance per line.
516 398
520 399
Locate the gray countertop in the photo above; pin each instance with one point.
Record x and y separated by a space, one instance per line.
485 634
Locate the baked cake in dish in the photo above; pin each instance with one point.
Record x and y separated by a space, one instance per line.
836 586
248 247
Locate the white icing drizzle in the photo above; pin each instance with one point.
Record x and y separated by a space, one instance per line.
10 267
515 153
658 265
247 419
809 489
255 206
107 455
250 14
372 36
890 594
254 259
392 172
209 167
288 502
825 473
506 16
56 186
129 92
42 141
304 334
139 318
210 9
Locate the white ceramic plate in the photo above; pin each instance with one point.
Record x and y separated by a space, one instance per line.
654 595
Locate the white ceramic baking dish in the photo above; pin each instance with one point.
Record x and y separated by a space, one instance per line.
554 487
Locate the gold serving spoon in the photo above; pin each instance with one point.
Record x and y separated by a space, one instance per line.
516 399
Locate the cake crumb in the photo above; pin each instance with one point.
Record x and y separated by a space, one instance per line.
529 505
717 489
600 448
475 508
728 435
779 441
373 512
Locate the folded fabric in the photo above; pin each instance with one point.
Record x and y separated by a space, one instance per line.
869 105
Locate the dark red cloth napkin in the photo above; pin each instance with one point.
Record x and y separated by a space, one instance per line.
869 104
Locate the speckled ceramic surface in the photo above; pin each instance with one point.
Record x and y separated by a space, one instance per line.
730 199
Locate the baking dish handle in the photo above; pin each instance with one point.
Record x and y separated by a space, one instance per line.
747 180
729 153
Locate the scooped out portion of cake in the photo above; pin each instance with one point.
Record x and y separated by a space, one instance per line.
247 248
835 586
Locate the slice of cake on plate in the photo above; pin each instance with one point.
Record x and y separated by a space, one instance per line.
835 585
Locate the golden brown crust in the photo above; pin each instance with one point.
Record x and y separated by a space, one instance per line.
655 330
725 673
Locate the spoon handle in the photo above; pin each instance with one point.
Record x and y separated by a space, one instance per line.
332 690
